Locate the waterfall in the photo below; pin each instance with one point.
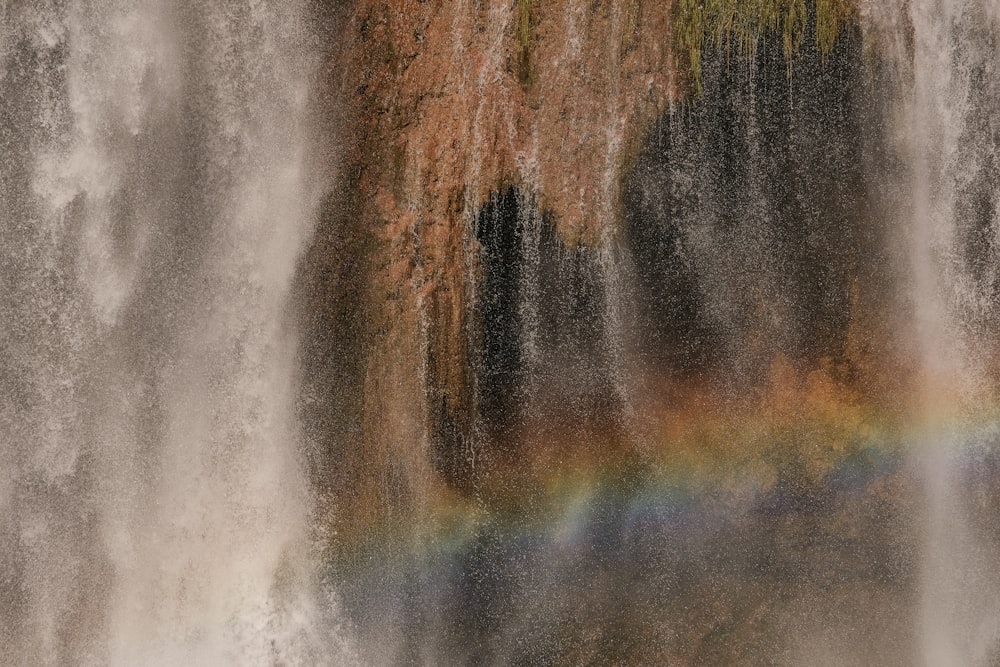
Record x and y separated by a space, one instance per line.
156 190
948 126
557 332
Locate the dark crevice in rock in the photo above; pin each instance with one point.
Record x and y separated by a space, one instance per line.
537 340
745 213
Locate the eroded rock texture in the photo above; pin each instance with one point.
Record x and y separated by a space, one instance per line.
552 261
541 228
443 105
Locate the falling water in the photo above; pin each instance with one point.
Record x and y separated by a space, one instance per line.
951 126
156 190
674 449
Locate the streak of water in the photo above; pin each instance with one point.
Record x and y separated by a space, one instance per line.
157 191
948 125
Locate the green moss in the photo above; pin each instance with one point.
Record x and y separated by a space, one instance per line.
522 40
831 16
739 25
631 20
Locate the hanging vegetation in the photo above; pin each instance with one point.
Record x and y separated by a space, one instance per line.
739 25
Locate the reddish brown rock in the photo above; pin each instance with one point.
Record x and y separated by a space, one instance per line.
439 104
442 103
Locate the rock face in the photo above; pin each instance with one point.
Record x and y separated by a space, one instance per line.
489 263
440 105
749 216
559 274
